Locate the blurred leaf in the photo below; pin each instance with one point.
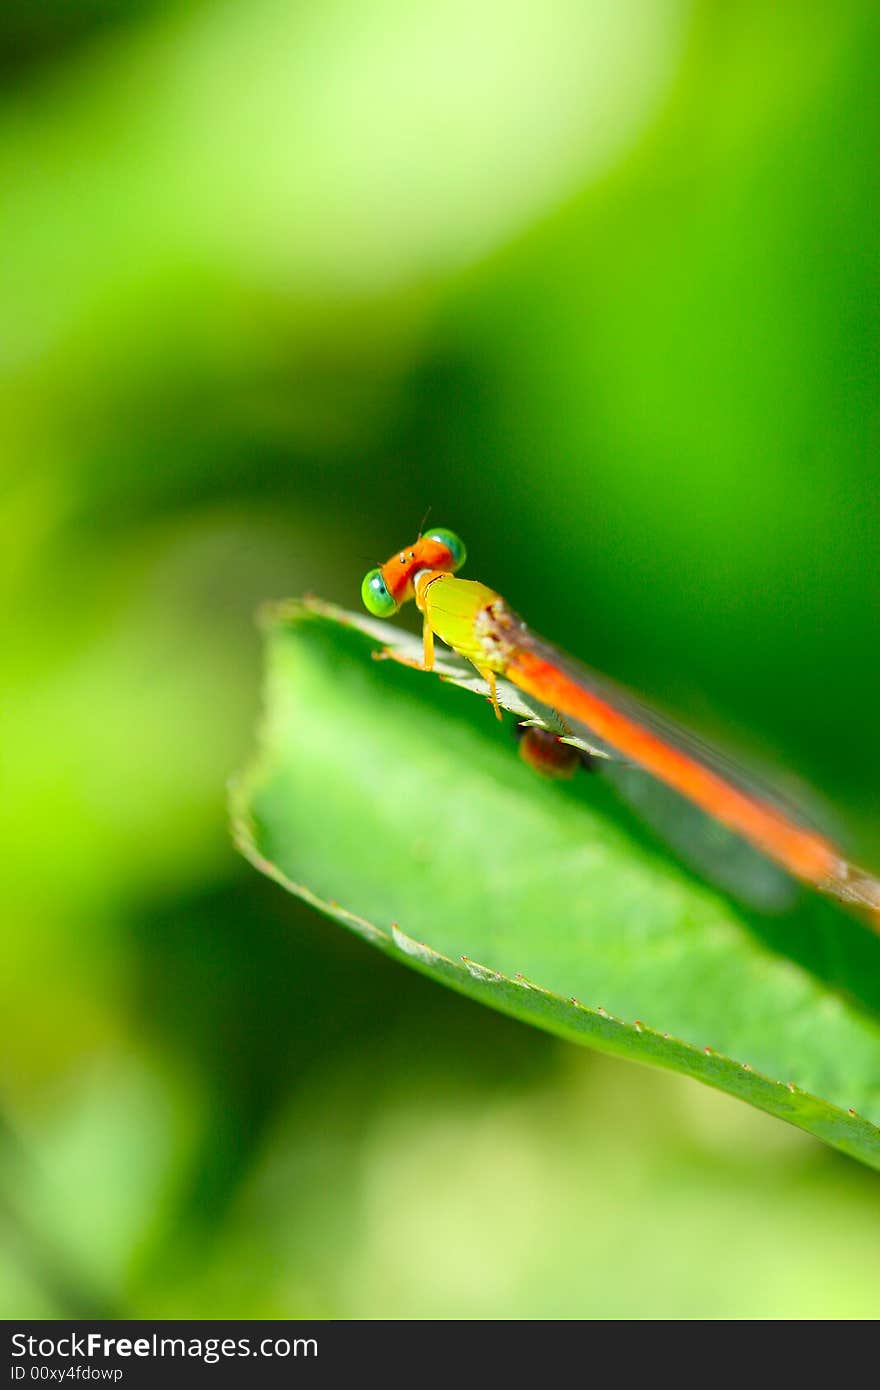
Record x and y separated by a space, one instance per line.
390 802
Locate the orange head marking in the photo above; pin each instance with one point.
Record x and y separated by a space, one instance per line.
384 589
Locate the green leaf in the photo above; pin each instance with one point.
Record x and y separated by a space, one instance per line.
395 803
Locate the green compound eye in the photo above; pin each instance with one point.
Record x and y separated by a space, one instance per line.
454 544
375 595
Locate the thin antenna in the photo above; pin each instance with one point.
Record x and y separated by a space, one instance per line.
423 520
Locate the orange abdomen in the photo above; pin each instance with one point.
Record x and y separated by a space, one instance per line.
802 852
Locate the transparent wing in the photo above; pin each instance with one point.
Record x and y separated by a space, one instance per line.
693 833
665 728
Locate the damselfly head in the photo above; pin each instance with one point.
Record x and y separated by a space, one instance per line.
385 588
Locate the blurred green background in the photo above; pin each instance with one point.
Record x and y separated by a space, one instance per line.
598 282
